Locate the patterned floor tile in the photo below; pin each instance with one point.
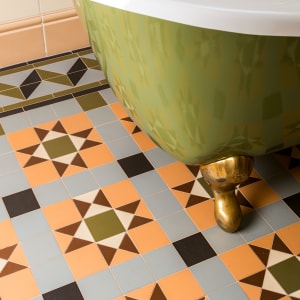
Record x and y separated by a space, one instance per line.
93 209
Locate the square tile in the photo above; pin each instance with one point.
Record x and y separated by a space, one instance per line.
20 203
140 275
293 202
212 275
69 291
194 249
164 261
135 165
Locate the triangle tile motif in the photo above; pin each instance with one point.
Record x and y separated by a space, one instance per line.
281 274
104 225
60 147
7 263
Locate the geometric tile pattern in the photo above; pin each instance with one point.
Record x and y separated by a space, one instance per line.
117 230
280 276
105 225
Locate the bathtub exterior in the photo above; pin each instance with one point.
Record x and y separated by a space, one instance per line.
200 94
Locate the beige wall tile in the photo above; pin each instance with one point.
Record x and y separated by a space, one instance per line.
18 9
47 6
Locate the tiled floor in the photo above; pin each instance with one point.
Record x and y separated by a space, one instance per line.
92 209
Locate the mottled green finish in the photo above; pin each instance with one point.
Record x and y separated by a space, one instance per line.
200 94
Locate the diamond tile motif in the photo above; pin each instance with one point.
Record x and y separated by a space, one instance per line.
106 241
282 268
104 224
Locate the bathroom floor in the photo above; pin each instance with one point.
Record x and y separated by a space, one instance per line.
92 209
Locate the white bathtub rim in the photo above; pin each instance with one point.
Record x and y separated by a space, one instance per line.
258 17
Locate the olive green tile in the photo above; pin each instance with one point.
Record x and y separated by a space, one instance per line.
91 101
62 79
1 130
59 147
85 52
4 87
104 225
14 93
90 63
287 274
14 106
17 69
45 75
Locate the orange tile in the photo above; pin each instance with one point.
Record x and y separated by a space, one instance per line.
71 170
23 138
19 285
63 32
18 256
48 125
290 235
203 214
56 214
63 240
259 194
264 242
97 156
182 197
242 262
41 173
181 285
148 237
8 234
85 261
122 256
143 293
143 210
121 193
118 110
129 126
15 38
253 292
76 123
143 141
175 174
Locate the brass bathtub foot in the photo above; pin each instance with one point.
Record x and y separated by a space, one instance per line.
223 176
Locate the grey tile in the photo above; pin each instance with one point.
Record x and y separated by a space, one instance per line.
4 145
41 115
111 131
51 193
222 241
31 224
159 158
254 226
162 204
52 274
6 100
47 88
101 283
178 226
3 212
267 166
16 78
90 76
164 261
148 183
40 249
284 184
66 108
109 96
80 183
230 292
101 115
62 66
140 274
123 147
15 122
108 174
278 215
14 182
212 274
8 163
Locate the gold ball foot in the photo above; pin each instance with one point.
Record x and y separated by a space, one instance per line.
223 176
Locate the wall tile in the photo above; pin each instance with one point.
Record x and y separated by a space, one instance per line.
47 6
19 9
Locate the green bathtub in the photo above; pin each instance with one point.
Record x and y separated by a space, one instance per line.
203 95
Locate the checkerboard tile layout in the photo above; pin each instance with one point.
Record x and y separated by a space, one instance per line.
91 208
